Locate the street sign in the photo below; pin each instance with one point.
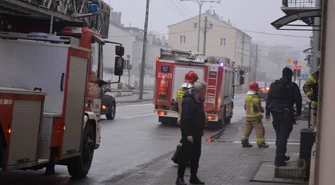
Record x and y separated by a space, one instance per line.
289 66
288 61
303 77
295 62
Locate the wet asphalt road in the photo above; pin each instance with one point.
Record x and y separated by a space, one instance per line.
134 138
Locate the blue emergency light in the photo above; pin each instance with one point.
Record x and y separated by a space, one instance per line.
93 8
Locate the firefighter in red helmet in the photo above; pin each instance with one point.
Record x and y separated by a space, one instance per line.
254 117
190 78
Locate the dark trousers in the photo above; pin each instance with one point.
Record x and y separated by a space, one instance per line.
283 125
189 152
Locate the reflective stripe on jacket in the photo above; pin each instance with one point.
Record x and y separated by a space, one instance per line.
180 95
253 106
181 92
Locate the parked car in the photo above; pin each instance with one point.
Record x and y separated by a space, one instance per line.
108 104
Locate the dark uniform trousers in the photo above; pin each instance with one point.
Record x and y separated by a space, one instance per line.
189 152
283 125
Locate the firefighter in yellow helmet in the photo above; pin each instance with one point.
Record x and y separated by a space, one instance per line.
254 116
190 78
311 90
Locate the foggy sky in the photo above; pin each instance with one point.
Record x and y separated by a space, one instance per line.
252 15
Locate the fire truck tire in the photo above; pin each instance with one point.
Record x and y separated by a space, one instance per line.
80 166
111 114
227 120
218 125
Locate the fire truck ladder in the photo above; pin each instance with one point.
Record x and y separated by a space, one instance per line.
93 14
182 56
211 87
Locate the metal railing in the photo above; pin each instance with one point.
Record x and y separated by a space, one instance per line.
299 3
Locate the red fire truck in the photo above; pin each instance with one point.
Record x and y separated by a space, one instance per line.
50 84
218 73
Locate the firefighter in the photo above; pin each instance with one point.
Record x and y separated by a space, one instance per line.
254 116
190 78
311 90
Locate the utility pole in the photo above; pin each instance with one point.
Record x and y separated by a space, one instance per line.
144 49
256 62
200 3
242 57
205 36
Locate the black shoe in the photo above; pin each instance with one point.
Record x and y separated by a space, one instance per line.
287 158
180 181
196 180
263 145
280 163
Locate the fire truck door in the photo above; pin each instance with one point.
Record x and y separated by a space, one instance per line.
75 102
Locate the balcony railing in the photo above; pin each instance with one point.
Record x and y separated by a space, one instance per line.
299 3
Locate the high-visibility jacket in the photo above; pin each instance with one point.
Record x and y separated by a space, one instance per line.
180 94
311 87
253 105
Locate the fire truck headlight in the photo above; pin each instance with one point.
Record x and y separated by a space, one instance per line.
268 88
103 107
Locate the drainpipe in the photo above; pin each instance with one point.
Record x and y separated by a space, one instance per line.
316 36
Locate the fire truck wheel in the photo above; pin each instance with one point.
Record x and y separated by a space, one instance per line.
227 120
218 125
111 114
80 166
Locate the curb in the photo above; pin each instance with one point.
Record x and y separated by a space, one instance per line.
133 101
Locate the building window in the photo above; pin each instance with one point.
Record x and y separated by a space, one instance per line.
223 41
182 39
211 25
195 25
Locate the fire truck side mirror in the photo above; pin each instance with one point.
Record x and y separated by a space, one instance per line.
118 66
119 51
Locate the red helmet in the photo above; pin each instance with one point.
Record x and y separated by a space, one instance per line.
191 77
253 86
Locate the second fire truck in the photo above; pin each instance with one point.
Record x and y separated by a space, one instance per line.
218 73
51 76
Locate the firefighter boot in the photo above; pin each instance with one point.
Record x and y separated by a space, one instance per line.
246 144
263 145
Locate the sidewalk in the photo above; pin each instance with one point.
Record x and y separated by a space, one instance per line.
223 162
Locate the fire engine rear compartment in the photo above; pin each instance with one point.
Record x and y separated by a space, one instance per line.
49 66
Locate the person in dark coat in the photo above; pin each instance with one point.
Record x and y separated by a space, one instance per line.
192 122
283 94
